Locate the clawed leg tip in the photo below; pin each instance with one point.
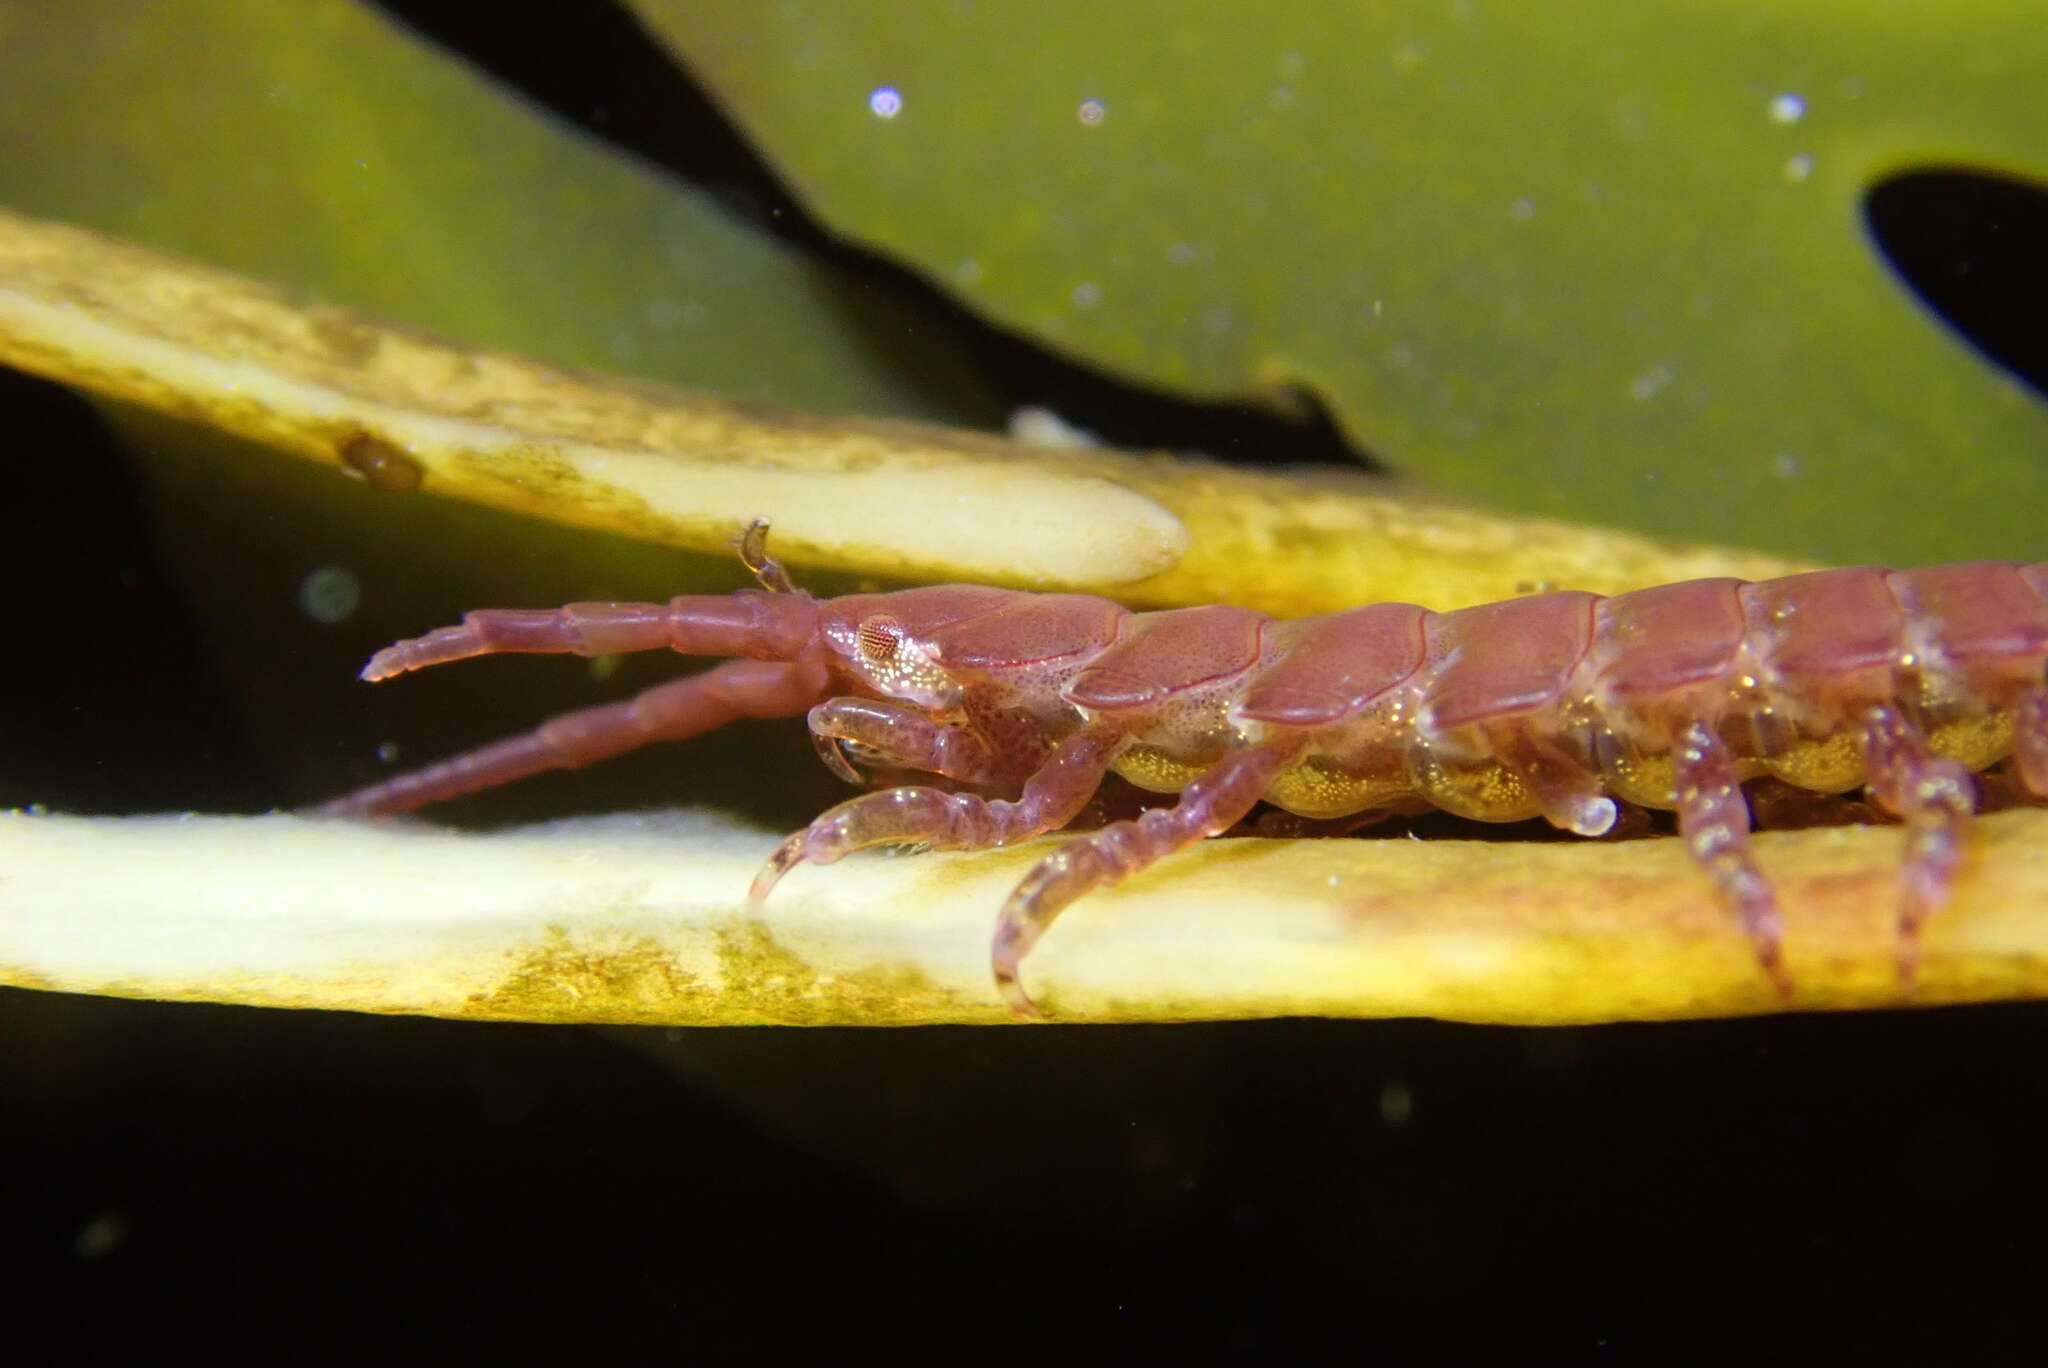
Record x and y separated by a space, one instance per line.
1909 952
1787 988
1771 959
1007 953
382 666
1013 993
787 856
1909 975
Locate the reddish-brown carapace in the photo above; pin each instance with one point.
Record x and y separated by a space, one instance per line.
1555 705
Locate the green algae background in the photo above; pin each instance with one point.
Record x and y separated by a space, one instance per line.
1607 263
1602 261
321 146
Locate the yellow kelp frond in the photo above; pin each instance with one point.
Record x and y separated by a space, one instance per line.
643 919
907 501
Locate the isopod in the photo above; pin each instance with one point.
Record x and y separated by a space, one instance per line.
1556 705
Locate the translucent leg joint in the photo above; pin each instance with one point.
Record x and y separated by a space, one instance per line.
1714 820
1211 804
1934 796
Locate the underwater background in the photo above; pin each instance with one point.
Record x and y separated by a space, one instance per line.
314 1187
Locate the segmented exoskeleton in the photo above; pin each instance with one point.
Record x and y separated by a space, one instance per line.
1553 705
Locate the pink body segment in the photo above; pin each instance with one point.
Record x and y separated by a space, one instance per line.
1559 705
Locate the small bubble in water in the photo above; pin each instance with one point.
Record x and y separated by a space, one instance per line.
1798 167
1645 386
1091 113
100 1236
1181 253
1784 465
885 102
387 752
1523 208
1787 108
329 594
1087 295
1397 1103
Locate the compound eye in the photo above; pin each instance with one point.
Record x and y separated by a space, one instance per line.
881 637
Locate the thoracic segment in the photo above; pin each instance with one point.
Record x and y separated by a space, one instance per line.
1483 711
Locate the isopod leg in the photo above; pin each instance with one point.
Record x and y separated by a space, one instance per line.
1934 796
673 711
917 815
898 738
1568 793
1714 820
2030 740
1211 804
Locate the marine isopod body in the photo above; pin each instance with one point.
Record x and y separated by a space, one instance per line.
1556 705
